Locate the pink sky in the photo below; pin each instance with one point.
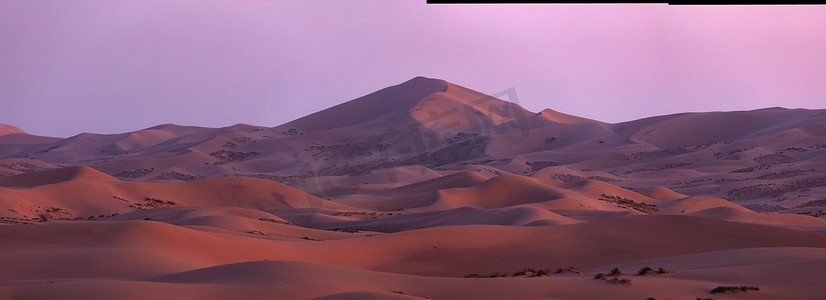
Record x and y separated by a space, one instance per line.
68 67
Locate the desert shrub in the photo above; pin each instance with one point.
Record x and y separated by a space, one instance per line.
624 281
663 271
645 271
628 203
734 289
569 269
491 275
271 220
600 276
615 272
528 272
531 272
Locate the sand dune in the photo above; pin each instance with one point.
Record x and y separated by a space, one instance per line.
460 216
314 281
434 124
81 192
55 176
9 129
402 193
445 251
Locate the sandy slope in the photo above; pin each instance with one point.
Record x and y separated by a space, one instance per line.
130 253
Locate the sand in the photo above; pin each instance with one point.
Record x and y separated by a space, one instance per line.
405 192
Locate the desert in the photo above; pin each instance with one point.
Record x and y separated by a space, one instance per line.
412 149
422 190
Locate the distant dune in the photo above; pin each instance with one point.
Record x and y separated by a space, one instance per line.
9 129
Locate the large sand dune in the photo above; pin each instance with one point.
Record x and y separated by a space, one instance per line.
423 190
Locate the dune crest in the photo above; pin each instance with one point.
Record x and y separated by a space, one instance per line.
9 129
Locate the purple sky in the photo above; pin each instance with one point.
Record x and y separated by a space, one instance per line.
107 66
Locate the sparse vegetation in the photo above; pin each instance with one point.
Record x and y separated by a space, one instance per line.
816 214
628 203
569 178
813 203
645 271
150 203
786 174
526 272
733 289
490 275
51 213
134 173
623 281
227 155
569 269
659 167
539 165
775 189
600 276
615 272
271 220
603 178
9 220
772 159
744 170
763 207
531 273
362 214
176 176
655 153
